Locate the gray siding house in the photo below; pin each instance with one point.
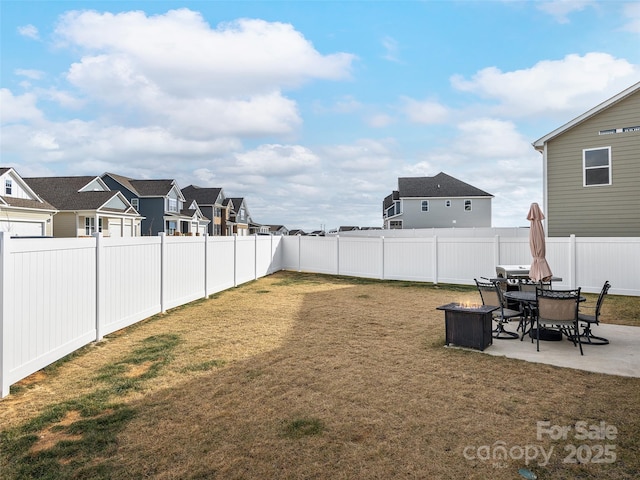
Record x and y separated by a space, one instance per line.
211 203
440 201
591 171
160 202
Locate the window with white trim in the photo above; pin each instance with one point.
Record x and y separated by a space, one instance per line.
8 186
173 204
425 205
395 224
90 225
596 163
135 203
467 205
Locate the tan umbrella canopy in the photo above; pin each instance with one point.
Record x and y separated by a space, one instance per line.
540 269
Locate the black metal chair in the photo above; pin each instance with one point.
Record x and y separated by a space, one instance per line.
558 310
587 320
530 309
491 294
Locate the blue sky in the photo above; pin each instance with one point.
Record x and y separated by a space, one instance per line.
311 110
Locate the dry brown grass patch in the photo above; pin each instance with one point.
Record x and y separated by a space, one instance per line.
322 377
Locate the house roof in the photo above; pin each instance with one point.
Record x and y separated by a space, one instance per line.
64 192
37 203
27 203
440 185
539 144
145 188
202 195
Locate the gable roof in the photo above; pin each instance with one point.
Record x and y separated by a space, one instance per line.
35 203
539 144
202 195
440 185
65 193
145 188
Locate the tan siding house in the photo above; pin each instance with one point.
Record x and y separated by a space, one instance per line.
592 171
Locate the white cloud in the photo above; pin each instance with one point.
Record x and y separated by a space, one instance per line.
424 112
560 9
275 160
379 120
29 31
18 108
31 74
237 58
176 71
571 85
391 49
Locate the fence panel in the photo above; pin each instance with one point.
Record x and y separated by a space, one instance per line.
319 254
183 270
513 251
360 257
264 255
49 303
613 259
245 259
290 252
460 260
131 281
220 264
409 259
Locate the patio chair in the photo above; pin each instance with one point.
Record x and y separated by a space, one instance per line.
491 294
587 320
558 310
530 309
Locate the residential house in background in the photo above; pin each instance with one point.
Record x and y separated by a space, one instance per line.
85 206
211 203
238 217
278 230
23 213
199 224
440 201
160 202
591 171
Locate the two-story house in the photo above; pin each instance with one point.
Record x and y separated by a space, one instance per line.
160 202
211 203
85 206
238 217
440 201
591 171
23 213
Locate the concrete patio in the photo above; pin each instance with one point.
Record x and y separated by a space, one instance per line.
620 357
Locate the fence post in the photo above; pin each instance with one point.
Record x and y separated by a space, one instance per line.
206 253
435 259
337 254
255 256
299 252
99 284
5 297
382 257
235 260
496 250
163 273
572 261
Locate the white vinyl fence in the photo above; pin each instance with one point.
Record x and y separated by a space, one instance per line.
57 295
580 262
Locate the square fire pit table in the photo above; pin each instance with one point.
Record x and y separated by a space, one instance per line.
468 326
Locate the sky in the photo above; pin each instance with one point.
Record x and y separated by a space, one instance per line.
310 110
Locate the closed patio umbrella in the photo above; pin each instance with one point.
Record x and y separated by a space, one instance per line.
540 269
